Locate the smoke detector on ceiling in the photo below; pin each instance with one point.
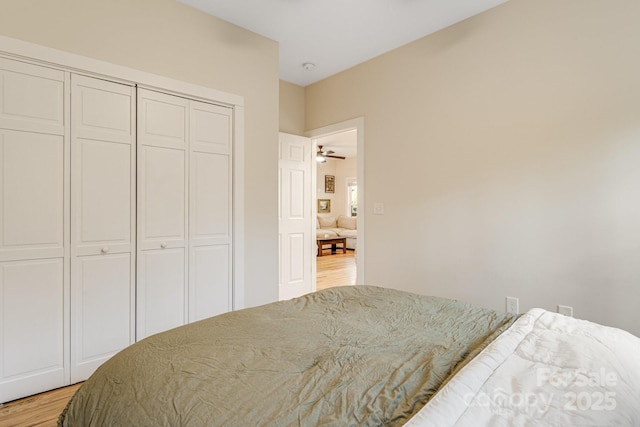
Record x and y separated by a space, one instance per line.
309 66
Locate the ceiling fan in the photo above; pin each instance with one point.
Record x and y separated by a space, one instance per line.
321 155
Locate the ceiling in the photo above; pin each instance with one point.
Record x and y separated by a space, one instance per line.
338 34
343 143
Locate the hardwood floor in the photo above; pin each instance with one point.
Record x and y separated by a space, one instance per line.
42 410
335 270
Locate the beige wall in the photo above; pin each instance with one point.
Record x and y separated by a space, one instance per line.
341 170
506 150
167 38
291 108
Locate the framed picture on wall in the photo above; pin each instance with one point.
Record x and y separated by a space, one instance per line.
329 184
324 206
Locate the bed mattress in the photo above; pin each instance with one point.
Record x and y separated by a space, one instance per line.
344 356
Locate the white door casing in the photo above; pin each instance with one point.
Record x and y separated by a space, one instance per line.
102 222
295 212
34 240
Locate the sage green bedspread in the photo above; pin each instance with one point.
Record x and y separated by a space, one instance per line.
344 356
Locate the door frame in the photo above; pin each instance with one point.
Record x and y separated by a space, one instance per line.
356 124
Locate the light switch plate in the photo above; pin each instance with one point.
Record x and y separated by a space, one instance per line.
378 208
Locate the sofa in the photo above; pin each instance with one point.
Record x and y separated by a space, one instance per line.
327 225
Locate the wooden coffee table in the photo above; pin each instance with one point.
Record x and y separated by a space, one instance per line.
333 241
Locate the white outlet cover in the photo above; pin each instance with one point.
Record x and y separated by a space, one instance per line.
566 310
378 208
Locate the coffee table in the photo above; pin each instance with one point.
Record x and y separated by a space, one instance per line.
333 241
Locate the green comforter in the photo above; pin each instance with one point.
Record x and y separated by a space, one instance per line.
344 356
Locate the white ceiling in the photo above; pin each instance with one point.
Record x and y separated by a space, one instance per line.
338 34
343 143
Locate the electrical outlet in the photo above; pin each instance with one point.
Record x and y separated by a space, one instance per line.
513 305
378 208
566 310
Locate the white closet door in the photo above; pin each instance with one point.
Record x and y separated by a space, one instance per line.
102 222
209 210
34 267
162 212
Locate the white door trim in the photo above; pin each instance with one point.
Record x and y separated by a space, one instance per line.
358 125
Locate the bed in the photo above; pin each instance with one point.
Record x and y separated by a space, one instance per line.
368 356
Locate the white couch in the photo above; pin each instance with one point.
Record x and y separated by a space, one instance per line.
327 225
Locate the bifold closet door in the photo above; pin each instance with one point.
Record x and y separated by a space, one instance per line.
34 267
162 212
102 222
210 136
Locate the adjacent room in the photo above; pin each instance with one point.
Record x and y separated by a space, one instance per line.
207 218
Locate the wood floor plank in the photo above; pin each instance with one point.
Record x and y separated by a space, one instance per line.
335 270
40 410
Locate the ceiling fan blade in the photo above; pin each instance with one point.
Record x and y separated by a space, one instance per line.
336 157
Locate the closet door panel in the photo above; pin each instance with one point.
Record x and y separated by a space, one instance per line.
209 210
163 165
103 111
161 291
103 319
32 187
102 196
102 221
32 327
34 231
209 294
162 197
210 128
162 119
32 98
210 199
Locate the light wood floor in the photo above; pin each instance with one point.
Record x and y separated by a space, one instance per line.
335 270
42 410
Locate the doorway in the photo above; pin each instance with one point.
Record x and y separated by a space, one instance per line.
345 139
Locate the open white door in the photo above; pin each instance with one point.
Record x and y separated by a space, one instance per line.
297 240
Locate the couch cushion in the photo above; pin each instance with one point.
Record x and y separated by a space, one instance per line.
322 233
327 221
347 222
345 232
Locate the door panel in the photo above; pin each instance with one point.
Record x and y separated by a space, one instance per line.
162 212
102 196
34 233
162 119
295 211
102 221
162 197
101 303
209 292
102 110
32 186
32 327
161 291
210 128
32 98
210 199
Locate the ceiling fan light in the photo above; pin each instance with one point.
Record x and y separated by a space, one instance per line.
320 158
